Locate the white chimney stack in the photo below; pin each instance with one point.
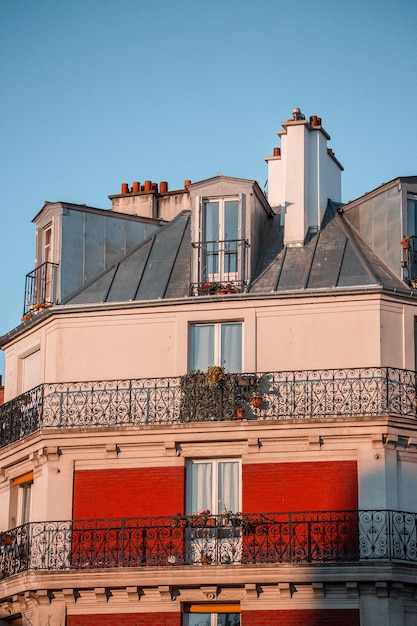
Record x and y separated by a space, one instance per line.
302 176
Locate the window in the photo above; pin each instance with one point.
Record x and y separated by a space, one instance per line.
20 493
31 364
221 237
411 215
212 615
216 344
213 485
47 243
213 489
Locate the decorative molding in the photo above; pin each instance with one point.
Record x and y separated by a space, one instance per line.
210 592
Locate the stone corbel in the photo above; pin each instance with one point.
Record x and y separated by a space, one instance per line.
52 453
101 594
171 448
381 589
112 450
252 592
318 590
352 590
315 443
165 593
285 590
254 444
132 594
69 595
390 441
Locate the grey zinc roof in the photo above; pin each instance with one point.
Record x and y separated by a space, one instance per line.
160 267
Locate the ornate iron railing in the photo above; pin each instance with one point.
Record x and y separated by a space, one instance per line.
40 289
221 267
239 539
342 393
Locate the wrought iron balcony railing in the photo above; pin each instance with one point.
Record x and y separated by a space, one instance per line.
307 394
221 266
40 289
238 539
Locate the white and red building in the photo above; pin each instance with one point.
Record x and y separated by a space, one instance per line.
210 405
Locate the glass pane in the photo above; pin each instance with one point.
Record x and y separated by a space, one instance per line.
231 219
411 216
199 619
202 347
26 490
211 234
228 486
231 357
200 492
228 619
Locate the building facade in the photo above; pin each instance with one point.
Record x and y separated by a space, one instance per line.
210 405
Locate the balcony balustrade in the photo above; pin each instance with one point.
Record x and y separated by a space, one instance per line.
307 394
40 289
197 540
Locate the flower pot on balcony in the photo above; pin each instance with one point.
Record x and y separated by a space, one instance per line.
257 402
240 412
180 522
205 559
7 540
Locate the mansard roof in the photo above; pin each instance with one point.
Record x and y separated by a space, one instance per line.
335 257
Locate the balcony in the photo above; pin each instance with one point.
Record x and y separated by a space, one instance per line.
198 540
221 267
303 394
40 289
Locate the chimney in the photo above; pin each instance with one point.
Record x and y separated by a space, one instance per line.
302 176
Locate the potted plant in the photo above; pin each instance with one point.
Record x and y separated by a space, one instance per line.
215 374
205 559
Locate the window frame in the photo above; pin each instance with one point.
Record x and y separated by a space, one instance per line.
214 482
218 345
212 611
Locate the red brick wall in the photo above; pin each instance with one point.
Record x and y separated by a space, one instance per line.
132 492
308 617
303 486
128 619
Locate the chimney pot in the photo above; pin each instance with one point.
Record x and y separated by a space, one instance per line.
163 186
187 182
313 120
277 151
125 188
148 185
154 186
136 187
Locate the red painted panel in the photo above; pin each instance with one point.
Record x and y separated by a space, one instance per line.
127 619
303 486
308 617
136 492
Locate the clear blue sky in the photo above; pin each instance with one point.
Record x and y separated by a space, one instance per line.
100 92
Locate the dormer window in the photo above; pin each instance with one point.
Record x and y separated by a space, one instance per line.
47 244
221 251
